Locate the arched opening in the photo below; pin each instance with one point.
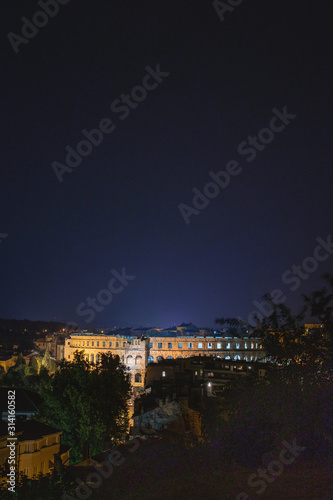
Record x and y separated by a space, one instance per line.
169 357
138 360
91 358
138 377
129 360
150 359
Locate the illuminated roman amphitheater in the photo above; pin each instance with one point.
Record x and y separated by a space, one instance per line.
137 352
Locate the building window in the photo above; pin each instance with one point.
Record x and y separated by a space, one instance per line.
124 343
256 346
97 343
87 357
69 356
163 373
93 343
150 345
110 344
26 448
92 358
180 345
138 360
252 345
26 471
138 378
237 346
160 345
117 344
245 345
228 345
210 345
218 345
35 470
87 343
150 359
97 358
190 345
169 345
83 343
199 345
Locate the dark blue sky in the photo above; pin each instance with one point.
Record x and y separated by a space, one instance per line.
120 206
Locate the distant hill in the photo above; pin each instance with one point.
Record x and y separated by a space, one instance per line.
19 325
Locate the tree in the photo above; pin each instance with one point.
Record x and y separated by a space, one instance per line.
88 402
285 340
295 398
49 363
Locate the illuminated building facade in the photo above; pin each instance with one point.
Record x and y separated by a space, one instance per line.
136 353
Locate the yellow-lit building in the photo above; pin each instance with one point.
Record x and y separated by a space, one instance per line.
37 448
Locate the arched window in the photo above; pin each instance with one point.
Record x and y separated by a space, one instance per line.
138 377
91 358
129 360
138 360
237 357
97 358
169 357
159 357
150 359
179 357
227 357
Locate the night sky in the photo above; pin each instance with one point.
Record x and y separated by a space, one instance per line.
120 207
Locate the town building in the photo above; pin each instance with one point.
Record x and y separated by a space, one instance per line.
38 448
